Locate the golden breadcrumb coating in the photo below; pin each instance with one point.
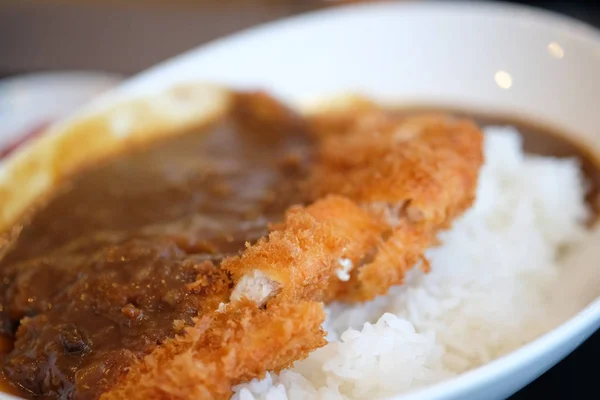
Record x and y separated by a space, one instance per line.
427 163
223 349
416 174
301 255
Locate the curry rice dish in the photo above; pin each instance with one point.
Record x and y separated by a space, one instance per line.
199 261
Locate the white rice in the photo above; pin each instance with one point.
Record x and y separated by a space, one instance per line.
492 287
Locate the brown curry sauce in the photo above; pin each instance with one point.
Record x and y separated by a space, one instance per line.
100 289
126 254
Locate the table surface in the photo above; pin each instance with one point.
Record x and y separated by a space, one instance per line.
159 31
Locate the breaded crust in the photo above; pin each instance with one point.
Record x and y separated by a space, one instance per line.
301 256
224 349
414 174
429 162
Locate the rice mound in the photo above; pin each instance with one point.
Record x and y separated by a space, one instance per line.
491 289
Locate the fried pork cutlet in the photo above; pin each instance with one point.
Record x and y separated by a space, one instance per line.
298 259
401 180
416 174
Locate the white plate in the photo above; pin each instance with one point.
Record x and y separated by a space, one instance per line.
483 56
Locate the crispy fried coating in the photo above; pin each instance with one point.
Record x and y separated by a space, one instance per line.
298 258
392 259
427 163
223 349
415 174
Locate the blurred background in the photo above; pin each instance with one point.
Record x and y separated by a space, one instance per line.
112 39
127 36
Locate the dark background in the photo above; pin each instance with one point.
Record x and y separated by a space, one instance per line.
128 36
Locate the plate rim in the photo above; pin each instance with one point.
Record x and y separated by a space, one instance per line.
571 26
